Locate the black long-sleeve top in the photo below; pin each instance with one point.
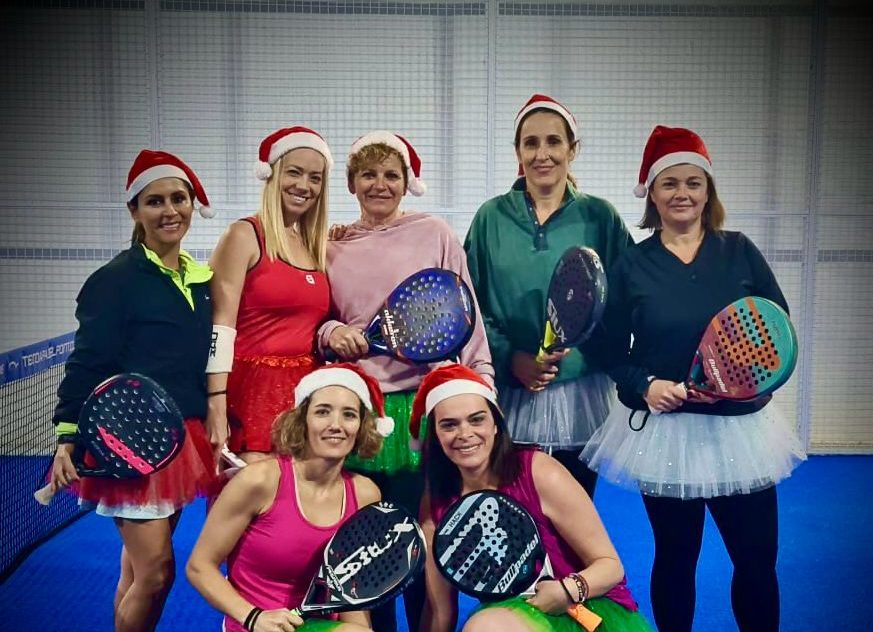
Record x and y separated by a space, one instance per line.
133 318
666 305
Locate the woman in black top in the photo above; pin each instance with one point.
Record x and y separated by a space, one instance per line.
696 452
146 311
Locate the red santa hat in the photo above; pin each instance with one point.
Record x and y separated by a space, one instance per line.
668 147
284 140
442 383
407 152
543 102
353 378
154 165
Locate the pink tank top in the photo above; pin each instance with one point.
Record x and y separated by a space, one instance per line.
280 551
564 559
281 306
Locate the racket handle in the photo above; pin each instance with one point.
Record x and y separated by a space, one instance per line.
329 355
230 458
44 495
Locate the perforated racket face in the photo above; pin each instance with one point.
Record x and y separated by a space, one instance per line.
428 317
576 298
487 546
748 350
370 559
131 427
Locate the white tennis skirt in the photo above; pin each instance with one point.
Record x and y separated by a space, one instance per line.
689 455
564 415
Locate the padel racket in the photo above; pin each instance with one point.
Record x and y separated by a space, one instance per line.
129 427
575 301
487 546
428 317
749 350
371 558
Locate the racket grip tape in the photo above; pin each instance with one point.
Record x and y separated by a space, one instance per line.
44 495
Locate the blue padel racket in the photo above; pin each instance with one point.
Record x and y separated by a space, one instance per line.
128 427
575 300
371 559
428 317
487 545
749 350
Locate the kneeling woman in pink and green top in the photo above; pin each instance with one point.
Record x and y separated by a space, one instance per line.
275 516
467 449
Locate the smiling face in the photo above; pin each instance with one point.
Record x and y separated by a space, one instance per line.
379 187
163 209
680 194
465 429
544 150
301 180
333 420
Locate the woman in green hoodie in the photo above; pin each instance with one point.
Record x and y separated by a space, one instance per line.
512 247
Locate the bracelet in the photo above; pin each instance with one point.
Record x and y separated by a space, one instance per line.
566 591
581 585
249 623
222 392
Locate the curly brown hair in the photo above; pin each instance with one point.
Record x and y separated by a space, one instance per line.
289 432
370 155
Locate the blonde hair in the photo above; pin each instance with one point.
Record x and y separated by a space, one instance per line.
313 224
289 433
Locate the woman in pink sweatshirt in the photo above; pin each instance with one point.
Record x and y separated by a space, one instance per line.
364 264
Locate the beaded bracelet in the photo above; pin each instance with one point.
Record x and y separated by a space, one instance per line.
581 585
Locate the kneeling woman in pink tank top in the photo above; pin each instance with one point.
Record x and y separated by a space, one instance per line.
274 518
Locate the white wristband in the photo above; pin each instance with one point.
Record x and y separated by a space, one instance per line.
221 350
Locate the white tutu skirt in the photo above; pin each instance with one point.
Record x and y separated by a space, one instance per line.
563 415
689 455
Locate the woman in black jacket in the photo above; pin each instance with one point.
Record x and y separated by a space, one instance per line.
147 311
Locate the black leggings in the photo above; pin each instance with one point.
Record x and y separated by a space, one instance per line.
748 524
404 488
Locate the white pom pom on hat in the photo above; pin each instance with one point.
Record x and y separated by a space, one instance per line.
668 147
287 139
151 165
407 152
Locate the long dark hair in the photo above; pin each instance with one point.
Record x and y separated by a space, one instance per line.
442 477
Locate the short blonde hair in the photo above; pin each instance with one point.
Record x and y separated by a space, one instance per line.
289 433
713 212
313 226
370 155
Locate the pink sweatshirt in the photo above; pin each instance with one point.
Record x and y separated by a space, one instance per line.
368 263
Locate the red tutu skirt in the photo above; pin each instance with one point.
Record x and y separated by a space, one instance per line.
258 389
190 474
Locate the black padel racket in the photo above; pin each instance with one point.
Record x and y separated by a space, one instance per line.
371 558
129 427
749 350
428 317
575 301
487 546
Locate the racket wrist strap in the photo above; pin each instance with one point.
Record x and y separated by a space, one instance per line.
252 618
220 358
66 432
570 600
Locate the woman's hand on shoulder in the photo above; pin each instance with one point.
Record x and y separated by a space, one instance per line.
665 396
281 620
348 343
337 231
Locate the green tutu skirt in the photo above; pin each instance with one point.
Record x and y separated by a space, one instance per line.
395 455
616 618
